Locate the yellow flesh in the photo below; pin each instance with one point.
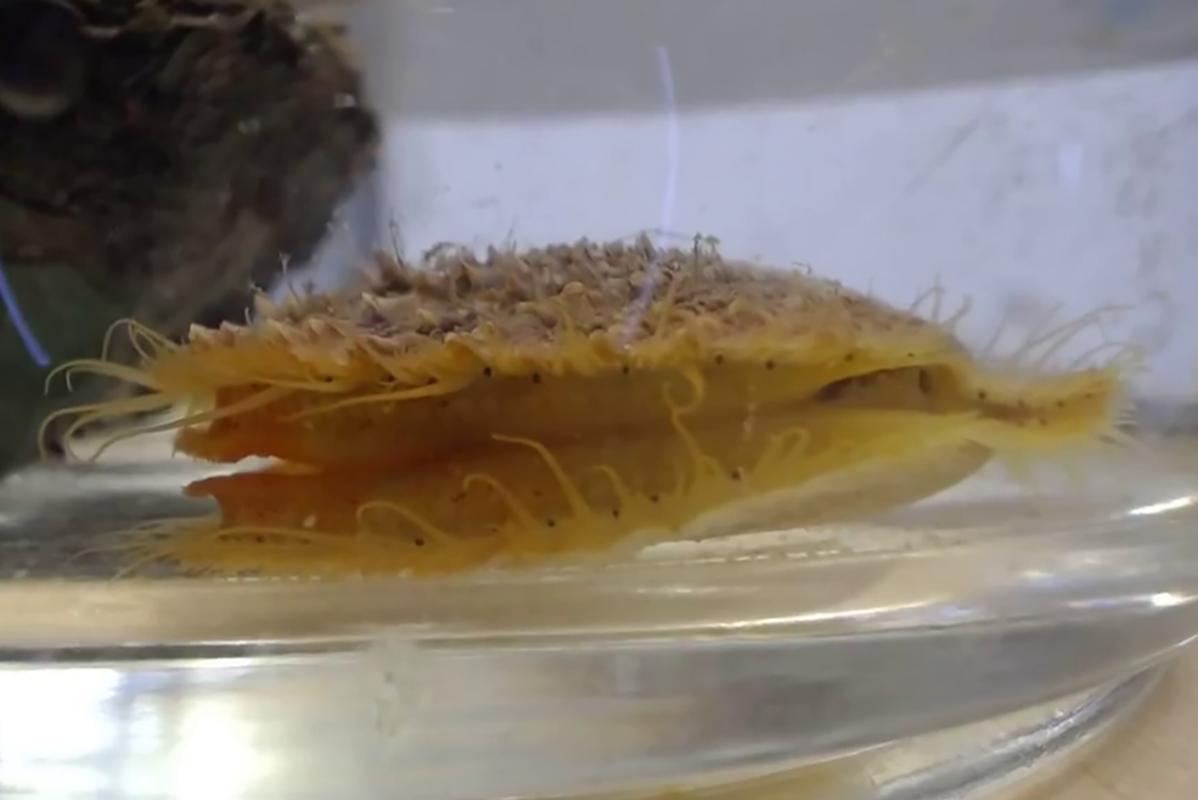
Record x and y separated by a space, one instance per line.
716 450
545 408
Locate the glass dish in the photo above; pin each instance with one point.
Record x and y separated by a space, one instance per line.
689 664
1034 155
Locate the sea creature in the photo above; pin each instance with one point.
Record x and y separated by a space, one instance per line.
460 412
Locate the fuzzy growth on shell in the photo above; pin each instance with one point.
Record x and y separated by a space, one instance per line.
441 416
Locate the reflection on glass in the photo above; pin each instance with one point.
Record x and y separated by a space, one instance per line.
57 729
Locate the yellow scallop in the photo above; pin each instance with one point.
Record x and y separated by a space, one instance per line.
460 412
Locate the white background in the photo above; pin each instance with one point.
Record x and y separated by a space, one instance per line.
1043 154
